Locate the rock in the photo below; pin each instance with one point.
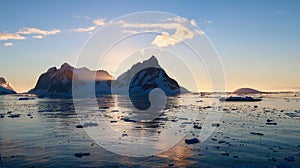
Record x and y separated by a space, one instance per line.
273 159
192 141
290 159
26 98
171 164
79 126
126 119
1 115
256 133
81 154
215 124
104 107
197 126
240 99
225 154
271 123
14 115
124 134
222 141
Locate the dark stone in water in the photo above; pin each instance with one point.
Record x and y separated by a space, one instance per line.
222 141
1 116
271 123
81 154
126 119
171 164
192 141
290 159
79 126
104 107
225 154
215 124
256 133
196 126
26 98
14 115
273 159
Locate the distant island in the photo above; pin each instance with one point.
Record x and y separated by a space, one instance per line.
247 91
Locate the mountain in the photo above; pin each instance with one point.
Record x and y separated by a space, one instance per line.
140 79
246 91
5 87
144 76
59 81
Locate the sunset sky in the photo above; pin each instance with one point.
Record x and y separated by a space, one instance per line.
257 41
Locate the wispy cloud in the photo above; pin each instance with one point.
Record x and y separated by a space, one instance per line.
184 29
99 22
87 29
96 23
11 36
37 31
8 44
38 37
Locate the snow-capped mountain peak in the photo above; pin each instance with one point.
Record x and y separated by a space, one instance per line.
5 87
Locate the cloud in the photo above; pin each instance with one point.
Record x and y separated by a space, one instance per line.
8 44
11 36
33 30
193 22
172 30
88 29
96 23
99 22
165 39
38 37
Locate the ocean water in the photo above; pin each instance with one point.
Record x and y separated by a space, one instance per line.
46 134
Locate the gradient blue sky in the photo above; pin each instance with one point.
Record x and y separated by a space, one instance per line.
258 41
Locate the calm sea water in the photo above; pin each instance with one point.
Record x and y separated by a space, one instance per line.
45 134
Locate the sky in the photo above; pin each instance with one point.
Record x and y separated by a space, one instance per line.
257 41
